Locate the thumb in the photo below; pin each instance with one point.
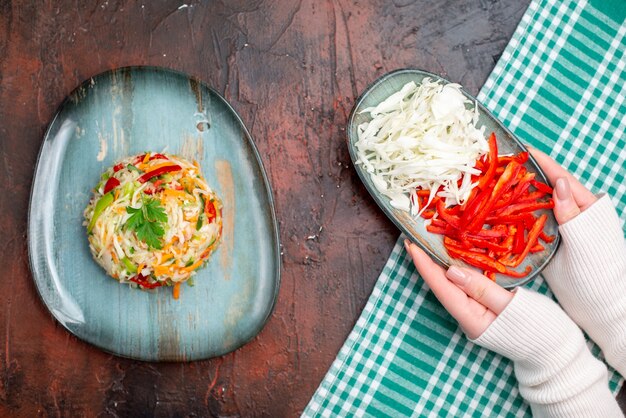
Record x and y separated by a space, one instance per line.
565 207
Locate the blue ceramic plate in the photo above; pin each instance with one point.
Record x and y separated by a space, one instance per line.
129 111
415 229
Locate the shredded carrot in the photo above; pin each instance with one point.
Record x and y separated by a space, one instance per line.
194 266
176 291
117 194
176 193
114 257
146 158
140 267
193 218
161 270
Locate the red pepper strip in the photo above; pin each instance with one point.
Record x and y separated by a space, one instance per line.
435 229
487 233
481 243
502 186
161 170
537 248
531 197
513 195
493 163
139 159
451 242
490 275
526 207
454 210
428 214
474 205
546 238
513 273
520 158
117 167
481 261
438 222
209 209
423 193
111 184
157 156
542 187
509 219
452 220
518 241
470 198
142 281
533 236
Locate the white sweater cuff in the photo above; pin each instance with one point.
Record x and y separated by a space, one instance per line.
557 373
588 277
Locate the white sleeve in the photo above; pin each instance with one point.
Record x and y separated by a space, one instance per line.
588 277
557 373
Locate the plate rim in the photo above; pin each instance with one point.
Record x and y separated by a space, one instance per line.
277 273
350 127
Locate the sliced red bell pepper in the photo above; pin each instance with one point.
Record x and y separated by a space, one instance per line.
142 281
520 158
436 229
537 248
161 170
546 238
158 157
117 167
428 213
526 207
209 209
452 220
111 184
482 261
502 186
481 243
542 187
533 236
513 273
518 241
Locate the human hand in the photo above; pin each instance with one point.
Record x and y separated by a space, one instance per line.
471 298
587 273
570 196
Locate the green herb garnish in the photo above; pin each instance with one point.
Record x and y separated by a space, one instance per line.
147 222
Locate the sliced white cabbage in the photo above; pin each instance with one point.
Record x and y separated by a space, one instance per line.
423 136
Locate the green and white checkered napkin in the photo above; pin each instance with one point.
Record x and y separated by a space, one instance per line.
560 86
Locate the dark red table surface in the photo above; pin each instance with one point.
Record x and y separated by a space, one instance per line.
292 69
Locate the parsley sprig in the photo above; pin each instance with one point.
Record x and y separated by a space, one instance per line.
147 222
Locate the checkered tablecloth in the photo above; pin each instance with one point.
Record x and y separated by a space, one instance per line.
560 86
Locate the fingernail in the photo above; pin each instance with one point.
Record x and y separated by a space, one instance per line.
563 191
457 276
407 244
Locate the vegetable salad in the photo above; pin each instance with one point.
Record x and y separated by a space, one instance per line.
153 221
